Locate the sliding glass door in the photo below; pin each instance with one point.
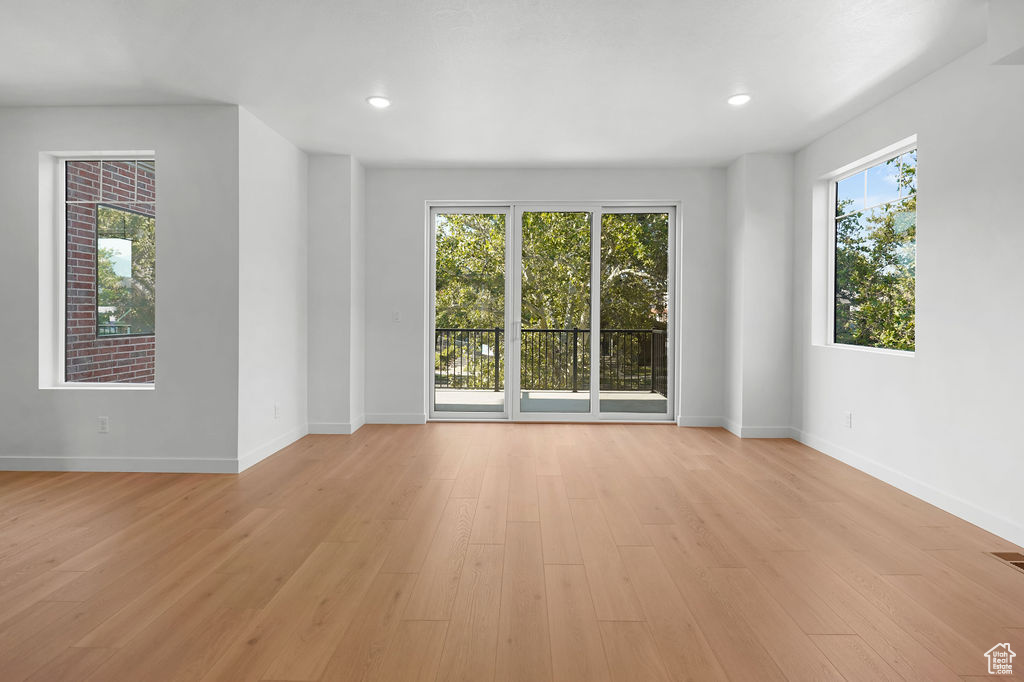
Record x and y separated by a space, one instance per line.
634 312
469 311
554 311
585 292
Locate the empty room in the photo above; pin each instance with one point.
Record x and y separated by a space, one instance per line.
511 340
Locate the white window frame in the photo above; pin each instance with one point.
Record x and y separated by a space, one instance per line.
52 268
833 179
513 209
431 315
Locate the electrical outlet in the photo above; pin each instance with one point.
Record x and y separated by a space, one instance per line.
396 316
103 425
848 419
277 411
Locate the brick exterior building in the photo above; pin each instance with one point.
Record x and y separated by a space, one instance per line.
89 356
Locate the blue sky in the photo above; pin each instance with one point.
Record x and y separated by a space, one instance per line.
871 187
122 254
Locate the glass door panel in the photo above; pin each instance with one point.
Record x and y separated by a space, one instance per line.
469 312
634 308
554 339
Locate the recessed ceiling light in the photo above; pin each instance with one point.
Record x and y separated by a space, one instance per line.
739 100
378 102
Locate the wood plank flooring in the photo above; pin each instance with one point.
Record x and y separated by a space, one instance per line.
503 552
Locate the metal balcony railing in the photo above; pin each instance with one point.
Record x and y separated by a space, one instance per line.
553 359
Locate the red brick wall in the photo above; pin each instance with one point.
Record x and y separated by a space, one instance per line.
87 357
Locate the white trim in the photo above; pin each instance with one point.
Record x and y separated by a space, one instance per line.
535 203
596 225
766 432
396 418
732 427
994 523
515 348
53 268
871 349
737 429
337 428
272 446
175 465
700 422
85 202
895 149
675 316
431 307
542 420
646 417
513 211
79 386
832 179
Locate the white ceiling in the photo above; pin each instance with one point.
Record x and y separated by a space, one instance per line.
494 82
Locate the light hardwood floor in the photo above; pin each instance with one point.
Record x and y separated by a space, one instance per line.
499 552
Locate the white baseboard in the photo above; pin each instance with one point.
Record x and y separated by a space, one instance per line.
396 418
172 465
732 427
736 429
765 432
698 421
337 428
959 507
260 453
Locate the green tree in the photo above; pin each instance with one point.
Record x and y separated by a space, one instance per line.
556 270
634 271
470 294
556 262
875 267
470 271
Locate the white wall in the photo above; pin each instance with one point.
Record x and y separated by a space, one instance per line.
357 314
336 294
189 421
396 268
1006 31
735 214
272 246
758 362
943 424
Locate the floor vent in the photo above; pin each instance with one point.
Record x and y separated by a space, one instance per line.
1015 559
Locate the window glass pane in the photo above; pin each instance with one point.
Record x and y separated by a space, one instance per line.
883 182
875 266
555 339
850 194
469 334
110 271
117 253
634 313
908 174
126 271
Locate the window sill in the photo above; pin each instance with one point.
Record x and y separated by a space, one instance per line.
869 349
99 387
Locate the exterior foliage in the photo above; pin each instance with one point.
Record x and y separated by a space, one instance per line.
556 288
875 263
131 300
634 271
470 294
